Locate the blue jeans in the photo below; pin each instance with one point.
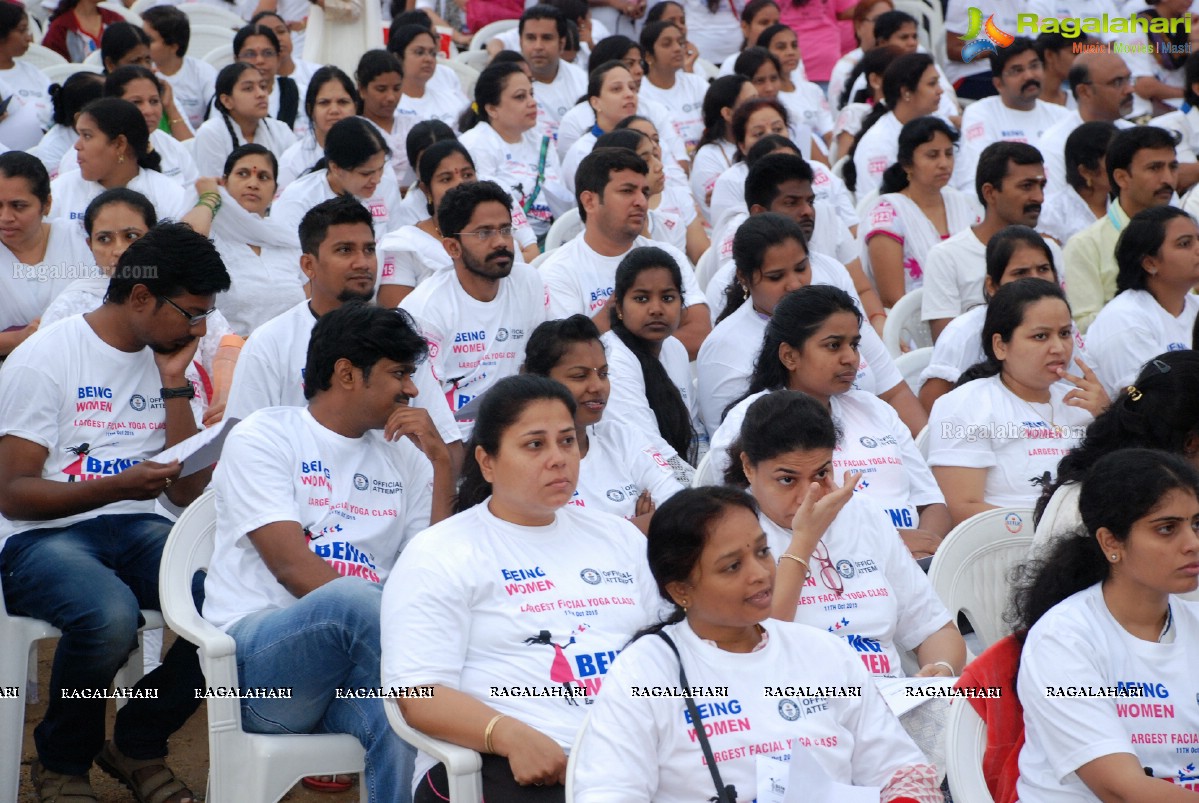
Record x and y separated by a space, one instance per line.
90 580
327 640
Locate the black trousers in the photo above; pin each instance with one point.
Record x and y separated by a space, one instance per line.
498 786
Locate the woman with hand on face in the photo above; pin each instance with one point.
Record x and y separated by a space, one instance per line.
716 567
916 209
331 97
242 116
664 47
622 471
996 439
1101 610
412 253
355 163
452 597
1154 309
784 454
501 133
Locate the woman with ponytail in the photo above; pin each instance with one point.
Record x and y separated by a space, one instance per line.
916 209
478 591
1102 610
856 106
716 569
70 97
240 115
716 150
651 371
113 150
995 440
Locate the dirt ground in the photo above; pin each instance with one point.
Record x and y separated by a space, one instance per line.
189 751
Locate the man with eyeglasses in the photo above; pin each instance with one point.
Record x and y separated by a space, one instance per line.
476 318
1016 114
1102 87
85 404
1185 121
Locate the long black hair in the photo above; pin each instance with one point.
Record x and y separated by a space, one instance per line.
903 73
752 240
722 94
499 408
670 411
874 62
350 142
1005 313
489 88
775 424
1120 489
915 133
1142 237
116 117
226 81
73 94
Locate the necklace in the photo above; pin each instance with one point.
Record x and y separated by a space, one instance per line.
1029 405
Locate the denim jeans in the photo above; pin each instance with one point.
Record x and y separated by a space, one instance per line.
327 640
90 580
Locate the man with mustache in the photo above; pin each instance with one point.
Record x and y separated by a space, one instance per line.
1102 87
1010 182
1143 169
476 317
1016 114
314 505
1186 122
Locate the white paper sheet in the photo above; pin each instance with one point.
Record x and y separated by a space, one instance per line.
802 779
200 450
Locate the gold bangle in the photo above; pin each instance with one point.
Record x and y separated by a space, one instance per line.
799 560
487 733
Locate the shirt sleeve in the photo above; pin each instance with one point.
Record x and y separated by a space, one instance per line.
1084 284
886 375
720 384
562 288
252 484
941 296
920 611
884 219
36 423
431 397
957 438
256 382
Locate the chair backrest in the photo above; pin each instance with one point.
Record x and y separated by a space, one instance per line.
204 14
206 37
42 57
970 570
61 72
467 74
965 743
490 31
921 440
221 56
540 259
930 25
706 472
478 59
1060 517
129 14
564 229
904 325
707 265
912 364
707 69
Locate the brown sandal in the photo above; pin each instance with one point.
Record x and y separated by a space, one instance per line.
58 787
156 787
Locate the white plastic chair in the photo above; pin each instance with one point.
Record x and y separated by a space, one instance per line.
705 472
221 56
476 59
95 58
921 440
904 324
490 31
142 5
468 75
1061 516
565 227
912 365
965 743
707 69
707 265
206 37
242 767
205 14
18 669
35 28
42 57
463 766
930 26
540 259
970 570
131 16
59 73
572 760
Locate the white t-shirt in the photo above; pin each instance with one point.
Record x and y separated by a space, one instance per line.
263 285
473 344
31 110
213 144
726 360
302 124
499 605
50 149
982 424
581 118
72 193
409 255
877 150
989 120
710 161
765 713
270 372
514 167
95 409
561 95
444 103
1053 148
26 290
728 194
1064 214
685 101
873 441
887 604
622 462
300 157
309 190
176 164
716 34
1078 643
627 402
809 106
193 87
579 280
1131 330
358 500
840 74
896 216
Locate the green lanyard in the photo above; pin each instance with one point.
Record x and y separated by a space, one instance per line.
532 196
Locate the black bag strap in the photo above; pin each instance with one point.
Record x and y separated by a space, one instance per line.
289 101
724 794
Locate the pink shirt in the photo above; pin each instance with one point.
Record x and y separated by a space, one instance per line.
815 25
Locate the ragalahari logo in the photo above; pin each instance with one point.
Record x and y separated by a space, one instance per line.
983 38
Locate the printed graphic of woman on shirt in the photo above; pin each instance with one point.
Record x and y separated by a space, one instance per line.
560 671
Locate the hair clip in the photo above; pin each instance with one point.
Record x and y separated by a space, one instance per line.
1133 393
1161 366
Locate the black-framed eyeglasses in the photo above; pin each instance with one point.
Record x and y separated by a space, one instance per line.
483 235
192 320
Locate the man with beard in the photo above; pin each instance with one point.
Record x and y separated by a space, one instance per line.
85 404
1010 182
314 505
1143 170
1102 87
1016 114
338 257
476 317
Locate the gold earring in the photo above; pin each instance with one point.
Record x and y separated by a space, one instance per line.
121 159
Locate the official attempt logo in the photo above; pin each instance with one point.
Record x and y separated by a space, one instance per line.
983 37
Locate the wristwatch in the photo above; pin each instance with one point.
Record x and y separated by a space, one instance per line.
185 392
